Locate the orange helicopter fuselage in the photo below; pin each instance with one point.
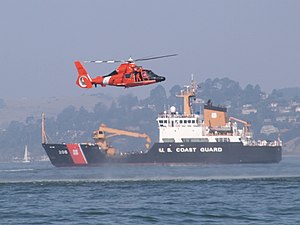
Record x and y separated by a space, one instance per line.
126 75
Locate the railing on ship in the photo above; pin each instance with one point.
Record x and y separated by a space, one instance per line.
264 143
167 115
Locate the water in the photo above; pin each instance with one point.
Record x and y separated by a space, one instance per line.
38 193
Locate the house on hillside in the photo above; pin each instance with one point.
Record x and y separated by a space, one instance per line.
292 119
268 129
264 96
274 106
248 109
285 109
281 118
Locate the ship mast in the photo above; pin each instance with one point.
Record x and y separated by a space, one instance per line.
186 94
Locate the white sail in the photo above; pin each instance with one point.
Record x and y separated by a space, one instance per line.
26 158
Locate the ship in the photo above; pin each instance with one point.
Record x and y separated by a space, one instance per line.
210 137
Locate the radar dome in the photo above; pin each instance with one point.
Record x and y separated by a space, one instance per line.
173 109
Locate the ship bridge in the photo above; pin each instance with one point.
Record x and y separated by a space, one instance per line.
173 119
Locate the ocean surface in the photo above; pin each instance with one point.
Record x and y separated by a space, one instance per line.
39 193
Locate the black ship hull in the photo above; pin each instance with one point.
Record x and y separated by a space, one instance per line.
65 155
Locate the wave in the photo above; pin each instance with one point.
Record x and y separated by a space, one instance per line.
16 170
154 179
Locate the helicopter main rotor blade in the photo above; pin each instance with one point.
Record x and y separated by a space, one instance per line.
155 57
102 61
130 60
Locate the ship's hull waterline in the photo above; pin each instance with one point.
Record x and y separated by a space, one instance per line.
65 155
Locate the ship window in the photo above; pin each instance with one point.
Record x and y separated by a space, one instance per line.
194 139
189 121
203 139
165 121
184 121
193 121
160 121
222 140
168 140
180 121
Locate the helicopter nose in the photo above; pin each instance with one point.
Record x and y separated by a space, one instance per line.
160 79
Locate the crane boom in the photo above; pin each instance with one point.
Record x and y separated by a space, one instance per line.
115 132
101 138
247 124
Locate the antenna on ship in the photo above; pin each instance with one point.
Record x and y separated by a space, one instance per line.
186 94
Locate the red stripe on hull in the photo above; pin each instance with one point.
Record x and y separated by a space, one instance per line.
76 154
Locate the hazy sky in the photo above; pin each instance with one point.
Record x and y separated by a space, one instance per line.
255 41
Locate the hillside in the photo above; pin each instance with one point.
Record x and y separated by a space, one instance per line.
19 109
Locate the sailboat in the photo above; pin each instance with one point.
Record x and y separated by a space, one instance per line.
26 158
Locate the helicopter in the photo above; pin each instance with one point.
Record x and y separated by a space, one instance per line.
128 74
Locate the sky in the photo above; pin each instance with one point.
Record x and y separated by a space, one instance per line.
251 42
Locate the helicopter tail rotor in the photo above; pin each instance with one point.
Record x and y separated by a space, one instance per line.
83 80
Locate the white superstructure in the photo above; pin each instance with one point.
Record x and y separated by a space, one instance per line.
213 126
174 127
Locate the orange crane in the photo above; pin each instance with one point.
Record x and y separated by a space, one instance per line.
101 138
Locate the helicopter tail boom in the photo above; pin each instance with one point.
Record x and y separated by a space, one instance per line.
83 80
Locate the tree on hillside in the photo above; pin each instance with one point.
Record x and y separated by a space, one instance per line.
220 91
2 103
173 100
158 98
126 102
100 112
252 94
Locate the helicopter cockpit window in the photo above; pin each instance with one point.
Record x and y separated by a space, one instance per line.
151 74
112 73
